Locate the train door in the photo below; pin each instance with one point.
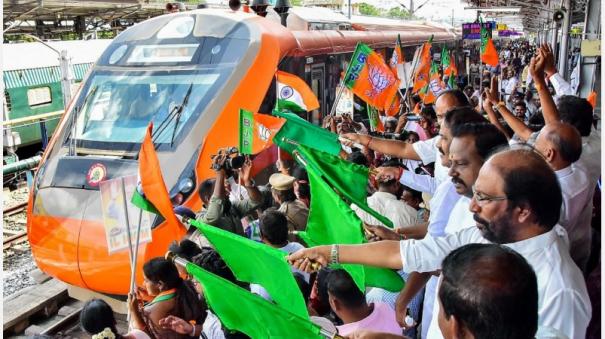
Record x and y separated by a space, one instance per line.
318 86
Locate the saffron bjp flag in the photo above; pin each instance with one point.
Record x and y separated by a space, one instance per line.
427 95
395 107
369 77
257 263
489 55
256 131
374 118
154 197
423 68
592 99
397 57
240 310
436 85
294 94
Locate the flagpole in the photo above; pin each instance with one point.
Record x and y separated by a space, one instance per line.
338 95
126 219
407 89
480 83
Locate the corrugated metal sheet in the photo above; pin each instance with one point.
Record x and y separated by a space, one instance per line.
39 76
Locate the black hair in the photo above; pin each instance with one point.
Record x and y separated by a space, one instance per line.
300 173
462 115
285 195
487 137
415 194
413 133
188 306
274 227
303 285
342 287
186 249
428 113
206 188
96 315
531 182
458 94
520 103
577 112
211 261
491 290
358 158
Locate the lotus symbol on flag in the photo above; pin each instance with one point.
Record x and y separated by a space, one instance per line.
286 92
379 81
436 87
394 58
263 133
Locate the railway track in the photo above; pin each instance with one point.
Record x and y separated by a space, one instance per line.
18 237
15 209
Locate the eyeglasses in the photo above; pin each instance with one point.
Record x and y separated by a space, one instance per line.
483 199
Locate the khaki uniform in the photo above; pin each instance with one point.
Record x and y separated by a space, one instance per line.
297 214
228 220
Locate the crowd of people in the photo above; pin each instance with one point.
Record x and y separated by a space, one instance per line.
491 196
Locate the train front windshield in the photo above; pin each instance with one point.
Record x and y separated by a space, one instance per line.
118 107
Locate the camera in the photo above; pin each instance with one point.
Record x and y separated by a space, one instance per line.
228 159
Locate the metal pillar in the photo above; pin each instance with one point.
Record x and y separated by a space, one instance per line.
563 50
66 76
590 75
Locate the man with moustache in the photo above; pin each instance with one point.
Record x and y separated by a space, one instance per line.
516 202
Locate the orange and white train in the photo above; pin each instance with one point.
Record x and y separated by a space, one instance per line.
227 61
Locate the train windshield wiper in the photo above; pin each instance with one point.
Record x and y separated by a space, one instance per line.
174 113
74 124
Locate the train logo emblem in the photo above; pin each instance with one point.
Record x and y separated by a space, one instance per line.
96 174
286 92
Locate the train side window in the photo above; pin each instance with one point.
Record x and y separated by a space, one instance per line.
39 96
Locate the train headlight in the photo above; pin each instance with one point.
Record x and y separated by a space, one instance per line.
186 185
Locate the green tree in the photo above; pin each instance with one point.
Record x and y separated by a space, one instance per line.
367 9
398 12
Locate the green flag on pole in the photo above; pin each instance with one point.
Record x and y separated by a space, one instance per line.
299 131
240 310
339 224
349 179
139 201
445 59
257 263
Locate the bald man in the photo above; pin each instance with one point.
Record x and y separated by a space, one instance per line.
561 146
516 202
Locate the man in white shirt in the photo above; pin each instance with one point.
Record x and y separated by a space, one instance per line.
561 146
425 150
516 202
385 202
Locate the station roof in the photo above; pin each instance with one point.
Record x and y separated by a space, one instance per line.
533 14
104 11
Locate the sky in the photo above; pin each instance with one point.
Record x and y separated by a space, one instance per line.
435 10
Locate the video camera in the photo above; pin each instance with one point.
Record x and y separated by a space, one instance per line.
228 159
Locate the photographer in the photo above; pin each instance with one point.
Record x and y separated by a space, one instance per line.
219 210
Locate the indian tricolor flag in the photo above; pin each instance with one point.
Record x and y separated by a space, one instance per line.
154 197
369 77
294 94
256 131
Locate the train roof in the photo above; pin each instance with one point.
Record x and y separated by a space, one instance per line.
29 55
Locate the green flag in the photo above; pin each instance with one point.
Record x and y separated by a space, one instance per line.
240 310
340 225
299 131
445 58
373 117
139 201
257 263
347 178
451 82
